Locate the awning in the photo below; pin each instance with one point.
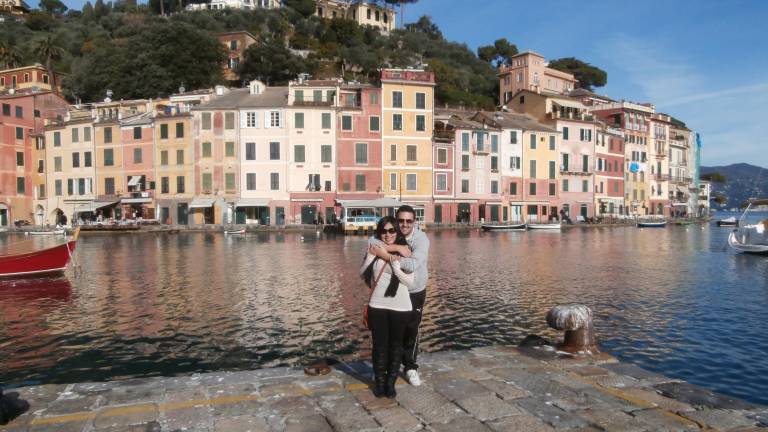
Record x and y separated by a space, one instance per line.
202 203
252 202
93 206
306 199
680 204
135 200
376 203
134 181
569 103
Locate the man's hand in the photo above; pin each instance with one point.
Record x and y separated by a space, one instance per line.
401 249
379 251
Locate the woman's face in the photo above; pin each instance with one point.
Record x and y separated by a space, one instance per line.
390 234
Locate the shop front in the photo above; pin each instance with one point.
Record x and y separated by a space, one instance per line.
202 211
252 211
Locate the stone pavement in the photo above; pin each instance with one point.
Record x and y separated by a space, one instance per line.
497 388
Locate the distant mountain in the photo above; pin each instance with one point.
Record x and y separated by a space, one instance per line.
743 181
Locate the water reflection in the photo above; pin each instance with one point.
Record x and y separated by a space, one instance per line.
163 304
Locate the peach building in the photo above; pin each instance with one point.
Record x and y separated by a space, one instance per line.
660 199
529 71
138 154
362 12
235 43
609 171
27 79
175 166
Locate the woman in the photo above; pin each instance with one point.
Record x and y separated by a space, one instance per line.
389 308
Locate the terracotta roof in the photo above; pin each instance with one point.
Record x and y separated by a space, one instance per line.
272 97
511 120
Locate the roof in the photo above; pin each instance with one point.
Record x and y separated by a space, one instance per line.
317 83
511 120
137 120
236 33
272 97
462 119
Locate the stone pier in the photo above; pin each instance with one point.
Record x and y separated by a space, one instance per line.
498 388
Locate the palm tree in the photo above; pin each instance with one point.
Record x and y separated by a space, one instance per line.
49 50
9 58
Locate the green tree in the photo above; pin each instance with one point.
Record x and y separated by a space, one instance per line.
100 9
49 50
270 61
53 7
9 57
720 199
501 52
588 76
426 26
714 177
402 4
304 7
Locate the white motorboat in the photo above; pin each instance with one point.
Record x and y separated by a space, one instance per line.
234 231
544 226
54 232
750 238
503 227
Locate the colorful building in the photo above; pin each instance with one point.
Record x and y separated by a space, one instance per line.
235 43
175 165
368 13
609 171
529 71
407 112
660 192
28 79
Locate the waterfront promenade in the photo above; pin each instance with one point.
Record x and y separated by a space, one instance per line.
496 388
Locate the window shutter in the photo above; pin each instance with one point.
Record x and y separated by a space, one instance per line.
243 119
267 124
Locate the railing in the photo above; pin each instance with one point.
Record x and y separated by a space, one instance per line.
661 177
408 75
312 103
676 179
444 135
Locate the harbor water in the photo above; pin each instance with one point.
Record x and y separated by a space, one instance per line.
675 300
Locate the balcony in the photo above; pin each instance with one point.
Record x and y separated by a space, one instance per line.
660 177
568 171
444 135
311 103
681 180
407 75
661 153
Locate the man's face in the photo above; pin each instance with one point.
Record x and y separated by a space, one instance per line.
406 221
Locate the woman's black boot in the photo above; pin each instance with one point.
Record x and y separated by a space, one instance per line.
391 379
380 385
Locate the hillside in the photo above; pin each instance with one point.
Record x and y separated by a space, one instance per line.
743 181
134 51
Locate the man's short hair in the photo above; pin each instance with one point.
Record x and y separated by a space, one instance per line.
405 208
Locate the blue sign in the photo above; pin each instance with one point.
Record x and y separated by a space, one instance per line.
634 167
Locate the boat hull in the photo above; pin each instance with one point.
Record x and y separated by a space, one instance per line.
651 224
46 261
57 232
721 223
241 231
754 249
545 226
501 227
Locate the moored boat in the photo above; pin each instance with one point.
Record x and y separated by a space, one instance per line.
750 238
234 231
659 224
52 232
45 261
728 222
544 226
503 227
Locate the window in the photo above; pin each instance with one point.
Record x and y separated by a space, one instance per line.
392 181
465 141
533 169
87 134
274 151
410 153
20 186
20 159
585 185
615 186
513 188
70 187
494 186
552 142
465 162
421 101
40 166
442 181
494 163
250 151
136 132
274 181
361 153
397 99
552 189
420 123
326 154
326 120
107 135
410 182
87 159
6 110
360 183
298 154
298 96
298 120
565 133
317 96
180 127
233 45
164 157
207 151
393 152
75 160
565 185
179 184
109 186
275 119
373 124
532 189
442 156
57 139
206 120
207 182
533 142
552 167
164 185
585 163
374 98
229 181
464 186
513 137
514 162
57 164
494 143
346 123
480 143
397 122
229 149
250 120
19 112
57 188
163 131
137 155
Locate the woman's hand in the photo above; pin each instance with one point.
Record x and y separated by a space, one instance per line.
379 251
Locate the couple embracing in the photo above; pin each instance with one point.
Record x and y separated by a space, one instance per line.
395 268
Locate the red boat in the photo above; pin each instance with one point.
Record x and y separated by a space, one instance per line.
45 261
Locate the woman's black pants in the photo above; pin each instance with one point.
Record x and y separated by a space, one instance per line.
388 329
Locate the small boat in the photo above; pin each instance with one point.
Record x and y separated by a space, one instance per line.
503 227
660 224
750 238
45 261
728 222
544 226
234 231
54 232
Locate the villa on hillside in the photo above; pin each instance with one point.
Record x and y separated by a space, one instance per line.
235 4
361 11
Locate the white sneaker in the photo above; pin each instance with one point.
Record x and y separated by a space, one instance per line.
413 377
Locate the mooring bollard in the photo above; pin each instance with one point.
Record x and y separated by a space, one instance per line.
576 321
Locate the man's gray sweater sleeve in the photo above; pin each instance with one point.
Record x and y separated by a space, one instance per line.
419 253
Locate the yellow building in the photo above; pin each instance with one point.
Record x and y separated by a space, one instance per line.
174 164
407 112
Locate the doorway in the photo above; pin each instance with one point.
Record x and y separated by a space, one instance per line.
308 214
181 214
464 214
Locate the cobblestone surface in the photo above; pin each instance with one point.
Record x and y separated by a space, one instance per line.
498 388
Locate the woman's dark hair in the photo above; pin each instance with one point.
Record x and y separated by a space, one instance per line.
400 240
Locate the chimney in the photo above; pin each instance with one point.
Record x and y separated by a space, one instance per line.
220 89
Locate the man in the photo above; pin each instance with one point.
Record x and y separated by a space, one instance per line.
418 243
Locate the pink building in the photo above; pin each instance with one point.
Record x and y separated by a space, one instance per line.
609 172
138 152
443 167
529 71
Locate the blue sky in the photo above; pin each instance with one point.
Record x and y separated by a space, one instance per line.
702 61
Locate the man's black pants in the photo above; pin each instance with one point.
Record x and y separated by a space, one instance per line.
411 337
